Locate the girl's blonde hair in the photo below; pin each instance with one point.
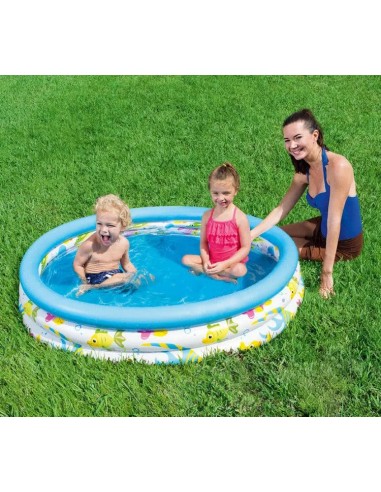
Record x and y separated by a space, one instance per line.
224 171
113 202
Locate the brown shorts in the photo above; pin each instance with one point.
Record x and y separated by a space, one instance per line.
314 249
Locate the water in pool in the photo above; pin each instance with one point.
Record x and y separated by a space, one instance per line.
160 256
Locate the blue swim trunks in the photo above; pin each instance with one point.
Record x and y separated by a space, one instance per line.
98 278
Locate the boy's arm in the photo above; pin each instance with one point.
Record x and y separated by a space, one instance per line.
81 258
125 261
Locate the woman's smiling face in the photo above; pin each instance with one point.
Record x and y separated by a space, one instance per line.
298 140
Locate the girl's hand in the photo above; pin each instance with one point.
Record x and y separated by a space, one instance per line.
214 268
326 285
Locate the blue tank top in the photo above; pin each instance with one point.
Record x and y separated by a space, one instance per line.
351 224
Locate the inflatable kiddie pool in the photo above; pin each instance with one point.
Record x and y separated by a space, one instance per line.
160 334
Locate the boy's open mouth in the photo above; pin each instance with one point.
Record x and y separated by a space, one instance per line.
105 239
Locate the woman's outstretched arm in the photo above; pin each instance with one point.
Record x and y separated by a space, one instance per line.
295 191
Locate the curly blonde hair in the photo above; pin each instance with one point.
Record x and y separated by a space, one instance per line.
113 202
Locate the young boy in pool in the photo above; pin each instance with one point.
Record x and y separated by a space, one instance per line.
225 232
98 259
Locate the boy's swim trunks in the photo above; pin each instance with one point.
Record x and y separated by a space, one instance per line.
98 278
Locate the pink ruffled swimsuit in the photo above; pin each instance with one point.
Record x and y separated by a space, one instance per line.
223 239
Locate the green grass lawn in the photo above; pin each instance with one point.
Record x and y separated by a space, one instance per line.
153 140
